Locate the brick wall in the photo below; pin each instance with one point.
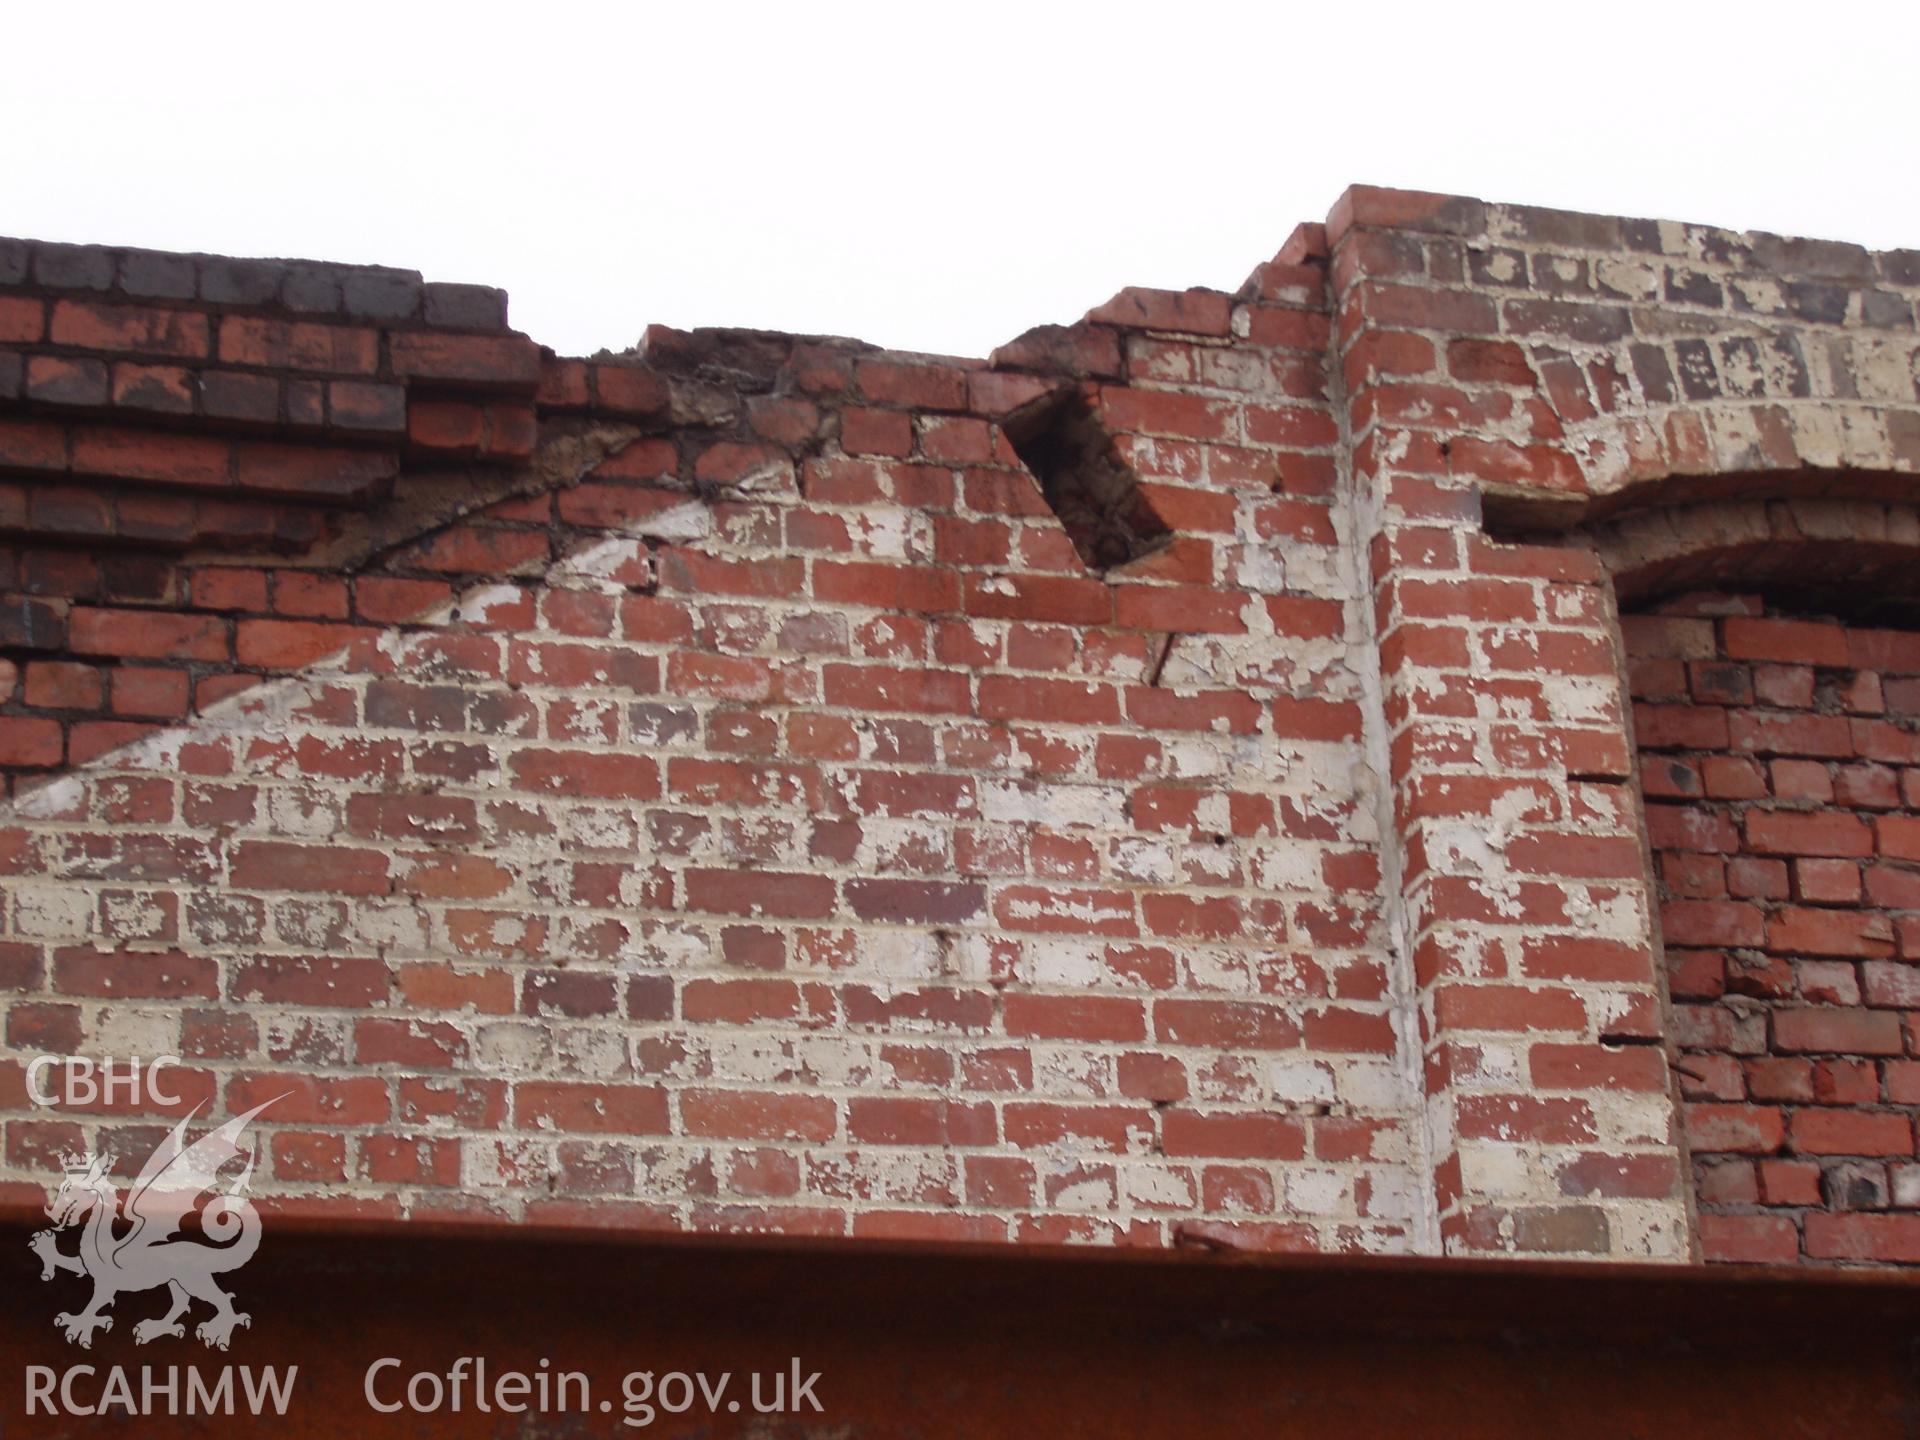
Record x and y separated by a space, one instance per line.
769 820
1168 782
1781 764
1544 411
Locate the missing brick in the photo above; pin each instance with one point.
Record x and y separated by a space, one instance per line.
1097 498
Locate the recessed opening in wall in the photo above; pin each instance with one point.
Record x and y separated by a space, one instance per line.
1097 498
1777 724
1867 582
1858 603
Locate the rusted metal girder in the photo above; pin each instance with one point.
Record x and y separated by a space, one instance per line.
978 1341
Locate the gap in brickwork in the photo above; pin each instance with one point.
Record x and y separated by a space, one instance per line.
1096 497
1863 583
1856 601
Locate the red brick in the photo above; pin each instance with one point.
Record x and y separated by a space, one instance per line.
1325 720
147 634
481 361
1499 362
310 980
1899 837
158 975
289 644
568 1106
153 456
1183 608
58 685
1235 1136
1824 736
1739 1129
446 425
1826 882
1184 508
230 587
1507 1007
1752 1239
1711 923
32 445
646 459
629 390
1076 1017
1195 312
23 320
912 589
1593 1067
1065 702
1785 641
887 689
914 902
1226 1024
1547 1120
1801 781
1839 1031
138 690
759 893
1851 1132
1570 957
298 345
751 1115
1892 652
1041 598
876 432
139 329
476 550
904 1120
384 600
330 869
438 986
1681 637
1680 727
586 773
1886 1239
1160 412
1820 833
1214 712
1829 932
927 387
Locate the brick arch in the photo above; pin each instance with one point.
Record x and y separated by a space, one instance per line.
1808 544
1708 440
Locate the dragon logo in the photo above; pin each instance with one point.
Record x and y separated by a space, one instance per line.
148 1253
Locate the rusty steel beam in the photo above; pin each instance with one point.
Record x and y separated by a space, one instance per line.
985 1341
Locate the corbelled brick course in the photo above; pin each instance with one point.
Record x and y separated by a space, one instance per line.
1170 782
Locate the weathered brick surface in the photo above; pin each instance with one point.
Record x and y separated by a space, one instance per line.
776 832
1782 820
1171 781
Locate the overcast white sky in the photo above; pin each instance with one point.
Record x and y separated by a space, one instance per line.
931 177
